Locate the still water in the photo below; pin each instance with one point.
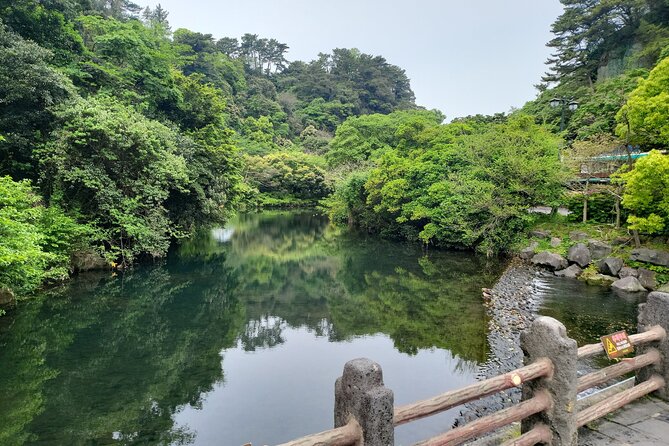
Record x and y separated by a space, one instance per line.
239 336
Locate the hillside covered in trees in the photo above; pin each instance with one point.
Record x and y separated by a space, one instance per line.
120 135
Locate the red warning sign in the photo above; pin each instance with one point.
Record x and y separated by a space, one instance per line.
617 345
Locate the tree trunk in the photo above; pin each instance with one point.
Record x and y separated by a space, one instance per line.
585 202
617 207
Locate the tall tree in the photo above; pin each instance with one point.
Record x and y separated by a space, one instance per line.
586 32
29 88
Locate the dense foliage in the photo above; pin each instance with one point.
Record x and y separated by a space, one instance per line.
141 134
644 119
464 185
647 194
137 134
35 242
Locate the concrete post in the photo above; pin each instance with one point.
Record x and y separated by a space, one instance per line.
547 338
359 393
655 312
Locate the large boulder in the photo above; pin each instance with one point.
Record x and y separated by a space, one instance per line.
6 296
571 273
664 288
653 256
620 241
87 260
528 253
579 254
550 260
610 266
540 234
647 279
628 284
626 271
598 279
599 250
577 236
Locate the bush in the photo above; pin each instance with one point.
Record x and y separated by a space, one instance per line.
455 185
291 173
35 242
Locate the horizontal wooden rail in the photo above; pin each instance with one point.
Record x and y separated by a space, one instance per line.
625 366
540 402
445 401
616 402
350 434
655 333
540 434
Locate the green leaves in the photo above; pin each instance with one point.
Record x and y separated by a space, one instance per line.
645 117
453 185
646 194
35 242
114 167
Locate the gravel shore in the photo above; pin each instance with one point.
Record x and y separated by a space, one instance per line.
511 305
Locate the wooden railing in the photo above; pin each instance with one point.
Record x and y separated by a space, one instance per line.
365 414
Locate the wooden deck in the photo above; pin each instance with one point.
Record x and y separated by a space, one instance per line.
644 422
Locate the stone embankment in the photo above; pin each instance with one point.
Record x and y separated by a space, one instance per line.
511 305
593 262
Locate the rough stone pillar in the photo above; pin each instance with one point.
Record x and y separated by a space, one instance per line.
359 393
547 338
655 312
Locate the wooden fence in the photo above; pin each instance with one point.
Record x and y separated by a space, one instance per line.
365 414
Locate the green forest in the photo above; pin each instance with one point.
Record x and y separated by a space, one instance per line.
120 136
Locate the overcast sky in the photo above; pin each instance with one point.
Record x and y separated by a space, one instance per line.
463 56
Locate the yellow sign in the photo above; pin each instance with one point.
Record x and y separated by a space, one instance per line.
610 347
617 344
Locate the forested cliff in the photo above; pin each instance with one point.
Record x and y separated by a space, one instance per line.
120 135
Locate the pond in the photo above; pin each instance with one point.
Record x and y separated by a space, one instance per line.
240 334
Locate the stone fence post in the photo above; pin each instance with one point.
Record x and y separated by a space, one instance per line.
547 338
655 312
360 393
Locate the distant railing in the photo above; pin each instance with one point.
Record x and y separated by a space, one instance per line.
365 414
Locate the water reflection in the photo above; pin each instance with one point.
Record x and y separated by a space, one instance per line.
281 298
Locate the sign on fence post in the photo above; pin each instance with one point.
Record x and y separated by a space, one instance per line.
617 345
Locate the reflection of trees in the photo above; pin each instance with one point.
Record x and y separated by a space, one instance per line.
421 305
289 266
111 360
121 357
265 333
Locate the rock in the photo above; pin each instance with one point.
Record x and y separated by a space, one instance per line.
87 260
628 284
540 234
653 256
550 260
528 253
599 279
664 288
6 296
555 242
626 271
577 236
599 250
572 272
647 279
610 266
579 254
619 241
